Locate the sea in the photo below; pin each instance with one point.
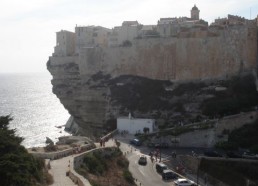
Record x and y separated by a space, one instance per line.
37 113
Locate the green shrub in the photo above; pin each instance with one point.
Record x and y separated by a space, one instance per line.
117 152
226 145
230 172
241 95
93 183
122 163
17 166
95 163
128 176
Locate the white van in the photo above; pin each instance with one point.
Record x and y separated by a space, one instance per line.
160 167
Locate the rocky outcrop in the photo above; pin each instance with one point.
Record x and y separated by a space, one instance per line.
100 84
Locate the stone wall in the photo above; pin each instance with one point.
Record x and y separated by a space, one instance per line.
235 121
208 138
60 154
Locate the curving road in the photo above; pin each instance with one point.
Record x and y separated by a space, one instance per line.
145 175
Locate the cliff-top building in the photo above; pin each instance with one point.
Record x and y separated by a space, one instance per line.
69 43
176 49
195 13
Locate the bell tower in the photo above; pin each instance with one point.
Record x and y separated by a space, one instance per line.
195 13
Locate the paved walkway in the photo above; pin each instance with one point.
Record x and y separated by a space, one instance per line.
59 167
58 170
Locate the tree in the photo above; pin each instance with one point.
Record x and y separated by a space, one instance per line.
17 166
146 130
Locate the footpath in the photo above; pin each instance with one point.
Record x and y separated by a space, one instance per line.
59 167
58 170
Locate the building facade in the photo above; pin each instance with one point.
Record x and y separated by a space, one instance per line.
195 13
89 36
135 125
65 43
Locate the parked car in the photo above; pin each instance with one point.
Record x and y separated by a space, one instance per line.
184 182
248 155
142 160
231 154
136 142
160 167
168 174
212 153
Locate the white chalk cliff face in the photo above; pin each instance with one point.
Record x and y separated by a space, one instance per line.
100 84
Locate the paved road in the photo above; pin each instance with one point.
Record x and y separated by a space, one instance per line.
145 175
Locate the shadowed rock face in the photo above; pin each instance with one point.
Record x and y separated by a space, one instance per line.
95 101
101 84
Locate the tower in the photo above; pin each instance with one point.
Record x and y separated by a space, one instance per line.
195 13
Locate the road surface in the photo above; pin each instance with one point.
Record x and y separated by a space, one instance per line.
145 175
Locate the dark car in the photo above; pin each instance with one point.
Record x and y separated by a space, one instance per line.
231 154
248 155
168 174
212 153
136 142
142 160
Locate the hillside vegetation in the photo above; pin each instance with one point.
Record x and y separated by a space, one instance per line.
245 137
177 103
17 166
106 167
235 173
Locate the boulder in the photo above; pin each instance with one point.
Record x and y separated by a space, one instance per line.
48 140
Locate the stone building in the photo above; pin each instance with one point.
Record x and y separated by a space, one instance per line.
88 36
148 31
168 27
195 13
127 32
135 125
65 43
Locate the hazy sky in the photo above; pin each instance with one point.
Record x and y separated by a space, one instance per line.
27 33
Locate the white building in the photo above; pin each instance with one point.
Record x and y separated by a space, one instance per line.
65 43
148 31
127 32
89 36
168 27
135 125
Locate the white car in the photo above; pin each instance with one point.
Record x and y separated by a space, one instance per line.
184 182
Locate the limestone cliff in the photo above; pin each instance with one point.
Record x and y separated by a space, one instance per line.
101 83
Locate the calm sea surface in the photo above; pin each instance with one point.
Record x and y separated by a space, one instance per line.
36 111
